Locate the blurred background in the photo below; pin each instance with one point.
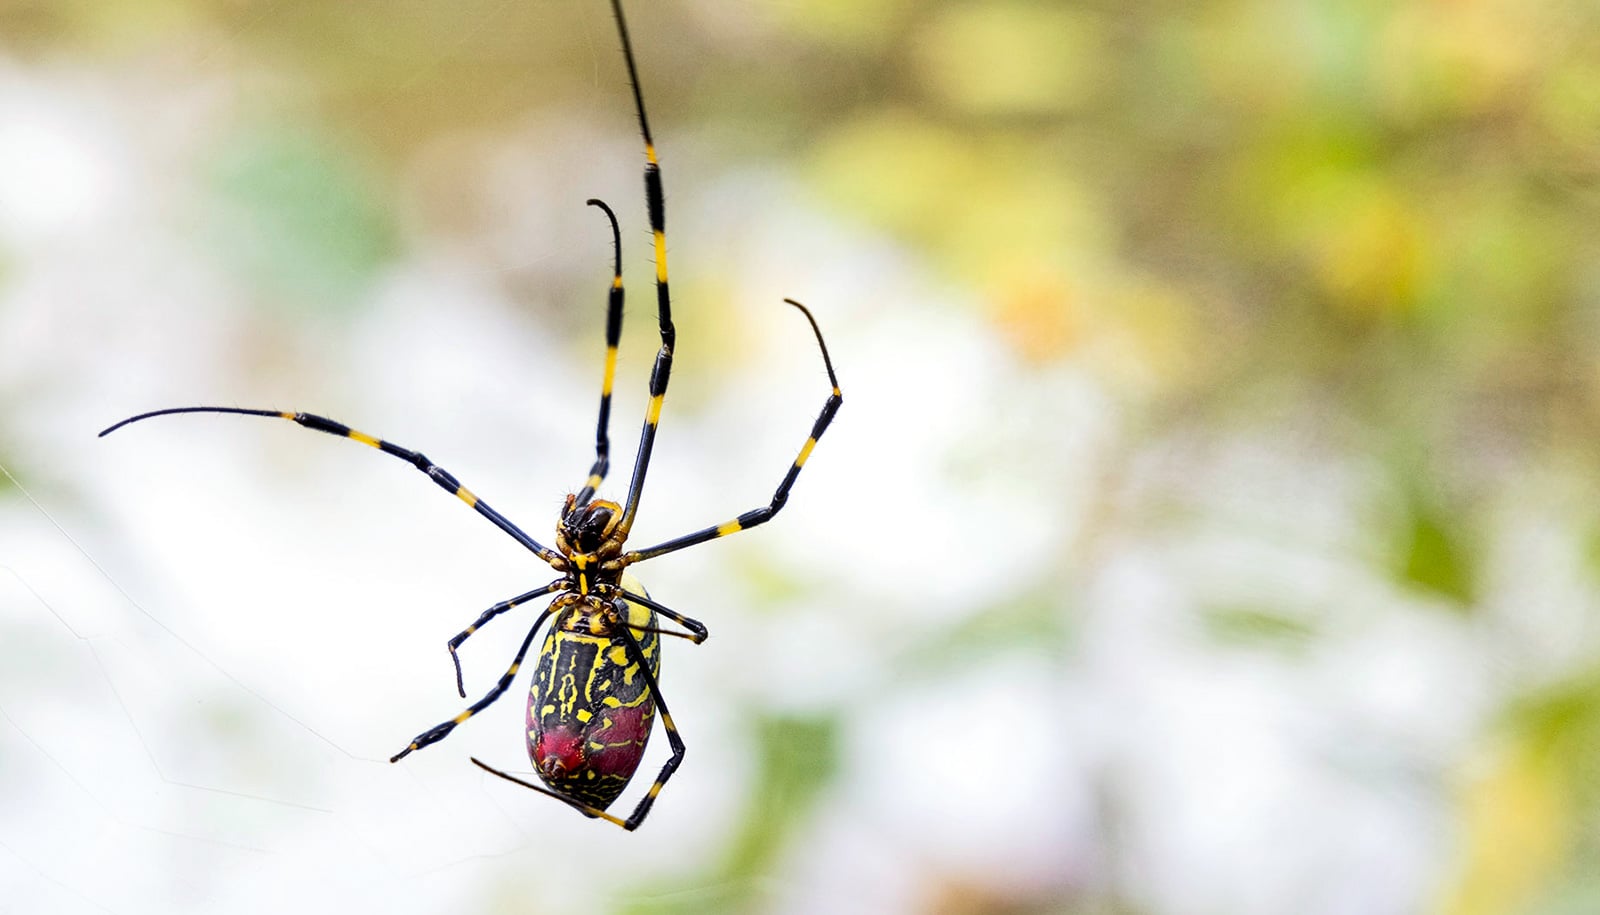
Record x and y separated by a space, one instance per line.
1208 528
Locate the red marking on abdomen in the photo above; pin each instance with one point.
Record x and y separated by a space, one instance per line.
558 751
624 740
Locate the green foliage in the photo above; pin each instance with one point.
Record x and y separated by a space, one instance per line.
1032 622
1434 557
300 215
1562 722
797 759
1256 626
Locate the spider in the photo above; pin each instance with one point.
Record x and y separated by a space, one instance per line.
596 687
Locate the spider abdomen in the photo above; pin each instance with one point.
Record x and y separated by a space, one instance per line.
590 710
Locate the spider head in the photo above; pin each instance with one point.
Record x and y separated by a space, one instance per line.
589 529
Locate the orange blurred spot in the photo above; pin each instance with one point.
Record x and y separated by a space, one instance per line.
1039 316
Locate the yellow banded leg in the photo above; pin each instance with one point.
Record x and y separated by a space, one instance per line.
581 807
655 200
697 630
488 615
439 731
602 445
764 514
417 459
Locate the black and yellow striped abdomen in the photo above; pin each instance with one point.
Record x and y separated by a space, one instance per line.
590 709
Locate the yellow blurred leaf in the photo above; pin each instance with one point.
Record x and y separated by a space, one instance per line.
1011 57
1460 57
990 207
859 24
1516 829
1371 258
1158 325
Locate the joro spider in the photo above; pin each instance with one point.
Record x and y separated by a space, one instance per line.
592 702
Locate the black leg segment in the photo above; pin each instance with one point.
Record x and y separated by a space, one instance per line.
440 731
488 615
602 440
437 474
764 514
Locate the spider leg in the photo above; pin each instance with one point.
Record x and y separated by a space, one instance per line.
697 630
437 474
661 372
764 514
440 731
602 442
488 615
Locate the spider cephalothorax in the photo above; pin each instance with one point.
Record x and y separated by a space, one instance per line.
591 529
590 539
